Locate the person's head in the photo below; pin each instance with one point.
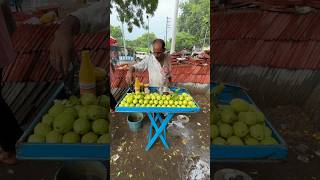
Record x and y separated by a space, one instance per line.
158 48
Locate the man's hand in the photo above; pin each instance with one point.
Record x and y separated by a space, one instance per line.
61 49
129 77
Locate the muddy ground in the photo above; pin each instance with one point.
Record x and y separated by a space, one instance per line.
189 147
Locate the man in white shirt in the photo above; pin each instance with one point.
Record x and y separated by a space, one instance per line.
90 19
158 66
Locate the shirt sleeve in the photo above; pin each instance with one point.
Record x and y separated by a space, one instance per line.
141 66
95 17
168 59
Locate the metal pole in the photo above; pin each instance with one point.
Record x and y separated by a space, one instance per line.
173 44
205 37
166 29
123 38
148 33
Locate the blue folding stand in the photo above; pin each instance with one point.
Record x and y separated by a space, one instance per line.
154 114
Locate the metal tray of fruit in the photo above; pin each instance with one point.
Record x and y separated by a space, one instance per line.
178 91
58 151
247 153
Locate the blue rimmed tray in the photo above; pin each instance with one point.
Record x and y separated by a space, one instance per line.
61 151
263 153
158 109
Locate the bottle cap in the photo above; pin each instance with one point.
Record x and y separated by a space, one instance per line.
85 54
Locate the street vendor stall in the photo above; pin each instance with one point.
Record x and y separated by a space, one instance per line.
157 106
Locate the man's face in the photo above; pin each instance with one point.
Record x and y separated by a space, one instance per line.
158 51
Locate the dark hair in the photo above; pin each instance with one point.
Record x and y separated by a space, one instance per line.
163 44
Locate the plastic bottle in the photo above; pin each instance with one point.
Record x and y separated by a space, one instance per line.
87 80
101 76
137 85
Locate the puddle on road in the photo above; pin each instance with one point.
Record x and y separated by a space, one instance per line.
196 160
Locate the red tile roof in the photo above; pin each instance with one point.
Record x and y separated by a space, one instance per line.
32 63
187 73
27 99
279 5
32 42
264 38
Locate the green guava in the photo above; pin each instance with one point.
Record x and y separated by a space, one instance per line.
239 105
219 141
81 126
234 140
88 99
100 126
33 138
240 129
63 123
71 137
257 131
53 137
225 130
90 137
42 129
214 131
105 139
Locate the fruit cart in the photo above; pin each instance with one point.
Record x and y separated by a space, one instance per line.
155 114
247 153
58 151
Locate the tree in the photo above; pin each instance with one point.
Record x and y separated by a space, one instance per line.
184 40
195 19
132 12
142 41
131 43
117 34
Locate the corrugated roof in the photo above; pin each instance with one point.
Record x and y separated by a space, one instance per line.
279 5
265 25
185 73
265 38
27 99
32 63
29 38
32 43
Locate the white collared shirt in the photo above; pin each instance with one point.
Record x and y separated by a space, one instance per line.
95 17
157 75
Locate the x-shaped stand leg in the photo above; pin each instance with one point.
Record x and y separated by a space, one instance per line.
159 131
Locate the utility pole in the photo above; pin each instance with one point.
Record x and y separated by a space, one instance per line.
124 42
167 27
148 33
173 44
205 37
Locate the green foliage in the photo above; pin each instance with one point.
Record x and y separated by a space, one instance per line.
141 43
184 40
117 34
132 12
195 19
142 49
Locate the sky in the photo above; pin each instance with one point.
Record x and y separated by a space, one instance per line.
157 22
